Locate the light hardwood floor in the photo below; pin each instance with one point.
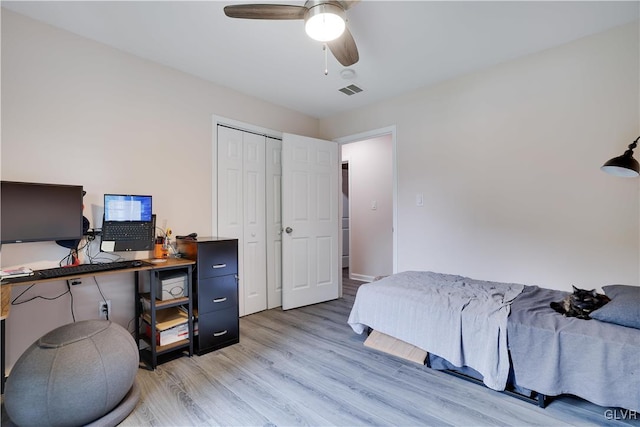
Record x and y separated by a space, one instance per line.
307 367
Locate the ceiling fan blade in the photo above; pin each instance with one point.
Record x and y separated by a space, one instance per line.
265 11
344 49
348 4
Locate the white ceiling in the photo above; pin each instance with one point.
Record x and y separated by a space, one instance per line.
403 45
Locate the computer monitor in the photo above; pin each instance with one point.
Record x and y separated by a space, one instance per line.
34 212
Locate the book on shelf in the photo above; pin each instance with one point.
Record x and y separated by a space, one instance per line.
167 318
171 335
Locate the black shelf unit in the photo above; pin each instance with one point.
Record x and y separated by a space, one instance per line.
154 354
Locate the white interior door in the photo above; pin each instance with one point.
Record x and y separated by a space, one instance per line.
311 220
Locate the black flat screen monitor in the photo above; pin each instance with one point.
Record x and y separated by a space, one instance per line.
32 212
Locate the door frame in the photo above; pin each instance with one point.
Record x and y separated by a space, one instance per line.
363 136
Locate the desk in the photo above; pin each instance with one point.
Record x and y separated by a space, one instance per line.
5 290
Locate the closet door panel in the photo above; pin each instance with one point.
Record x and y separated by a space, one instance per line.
241 211
254 285
274 222
230 186
231 194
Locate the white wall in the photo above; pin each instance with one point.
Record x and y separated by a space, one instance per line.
78 112
370 181
508 161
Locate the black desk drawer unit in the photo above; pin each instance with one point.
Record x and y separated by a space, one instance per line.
218 329
215 290
217 293
217 258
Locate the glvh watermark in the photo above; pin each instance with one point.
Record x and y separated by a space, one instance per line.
620 414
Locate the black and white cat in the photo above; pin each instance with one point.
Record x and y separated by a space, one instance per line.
580 303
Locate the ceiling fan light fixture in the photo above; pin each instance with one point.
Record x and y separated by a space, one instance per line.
325 22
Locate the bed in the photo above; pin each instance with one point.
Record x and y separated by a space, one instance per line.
507 336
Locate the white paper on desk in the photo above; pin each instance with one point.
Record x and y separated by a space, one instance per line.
16 272
108 246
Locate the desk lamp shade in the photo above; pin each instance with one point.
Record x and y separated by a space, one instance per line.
625 165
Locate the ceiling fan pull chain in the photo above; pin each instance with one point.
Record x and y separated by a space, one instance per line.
326 66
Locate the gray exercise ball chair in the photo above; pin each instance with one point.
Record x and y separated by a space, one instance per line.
77 374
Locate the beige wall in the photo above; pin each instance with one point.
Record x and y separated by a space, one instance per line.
78 112
370 181
508 161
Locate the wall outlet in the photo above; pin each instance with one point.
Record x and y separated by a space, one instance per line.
73 282
104 309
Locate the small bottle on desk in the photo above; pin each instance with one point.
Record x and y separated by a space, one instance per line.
162 245
161 248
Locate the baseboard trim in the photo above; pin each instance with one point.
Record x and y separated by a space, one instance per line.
361 277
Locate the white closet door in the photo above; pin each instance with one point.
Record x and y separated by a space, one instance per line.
241 180
274 222
254 289
230 193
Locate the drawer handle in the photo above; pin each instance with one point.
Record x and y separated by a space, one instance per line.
219 265
220 299
219 334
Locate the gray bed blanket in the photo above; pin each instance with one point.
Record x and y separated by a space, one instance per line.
553 354
460 319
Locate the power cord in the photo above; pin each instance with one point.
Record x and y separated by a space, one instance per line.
68 291
100 256
73 314
105 309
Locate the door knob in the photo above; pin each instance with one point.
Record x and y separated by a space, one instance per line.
289 230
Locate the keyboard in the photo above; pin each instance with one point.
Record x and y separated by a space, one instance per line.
53 273
127 231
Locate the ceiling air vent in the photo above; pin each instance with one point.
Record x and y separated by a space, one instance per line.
350 90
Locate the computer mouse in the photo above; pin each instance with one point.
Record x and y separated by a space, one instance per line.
136 263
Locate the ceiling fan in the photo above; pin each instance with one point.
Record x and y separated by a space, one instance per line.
324 21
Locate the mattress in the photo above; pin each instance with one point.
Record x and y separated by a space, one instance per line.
554 355
505 334
458 318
